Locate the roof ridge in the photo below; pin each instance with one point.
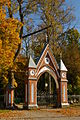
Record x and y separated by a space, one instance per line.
42 52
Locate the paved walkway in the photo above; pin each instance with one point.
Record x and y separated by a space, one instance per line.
44 114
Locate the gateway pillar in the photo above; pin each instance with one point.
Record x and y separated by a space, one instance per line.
63 85
31 86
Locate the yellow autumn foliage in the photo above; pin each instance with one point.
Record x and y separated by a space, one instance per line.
9 41
9 37
15 83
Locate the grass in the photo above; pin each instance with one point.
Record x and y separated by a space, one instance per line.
4 111
75 105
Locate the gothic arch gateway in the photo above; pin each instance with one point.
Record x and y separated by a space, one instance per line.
46 63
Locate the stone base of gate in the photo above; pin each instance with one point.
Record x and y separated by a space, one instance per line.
35 106
64 105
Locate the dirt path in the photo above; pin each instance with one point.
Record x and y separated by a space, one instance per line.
43 114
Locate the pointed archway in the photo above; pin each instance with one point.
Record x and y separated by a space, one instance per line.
46 63
47 91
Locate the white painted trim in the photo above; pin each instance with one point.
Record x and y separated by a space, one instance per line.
31 78
33 105
45 60
64 93
64 80
54 58
52 62
36 92
50 71
32 92
9 98
43 69
40 66
48 52
42 54
64 104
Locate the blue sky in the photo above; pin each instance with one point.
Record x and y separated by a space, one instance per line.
76 12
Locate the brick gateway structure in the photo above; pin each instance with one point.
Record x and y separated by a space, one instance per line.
46 63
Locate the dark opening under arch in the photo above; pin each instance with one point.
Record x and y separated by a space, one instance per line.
46 90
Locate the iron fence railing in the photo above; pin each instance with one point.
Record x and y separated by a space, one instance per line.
45 98
74 98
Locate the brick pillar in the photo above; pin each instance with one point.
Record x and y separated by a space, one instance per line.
26 93
9 98
64 96
31 85
63 84
32 93
63 89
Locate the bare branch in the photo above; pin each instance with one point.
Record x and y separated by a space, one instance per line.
36 32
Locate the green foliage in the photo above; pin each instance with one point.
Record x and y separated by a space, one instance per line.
69 89
71 56
52 13
20 76
56 14
78 85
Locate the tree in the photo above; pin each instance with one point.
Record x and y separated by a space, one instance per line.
20 75
9 40
71 56
55 16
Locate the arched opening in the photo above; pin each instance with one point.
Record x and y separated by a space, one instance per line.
47 90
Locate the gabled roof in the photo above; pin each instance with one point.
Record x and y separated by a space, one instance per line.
45 47
41 52
62 66
31 63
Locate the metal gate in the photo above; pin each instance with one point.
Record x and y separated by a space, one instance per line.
46 99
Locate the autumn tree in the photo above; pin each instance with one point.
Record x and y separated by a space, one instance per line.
20 76
56 16
53 16
9 40
71 56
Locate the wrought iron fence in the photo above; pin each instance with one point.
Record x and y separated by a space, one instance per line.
74 99
47 99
